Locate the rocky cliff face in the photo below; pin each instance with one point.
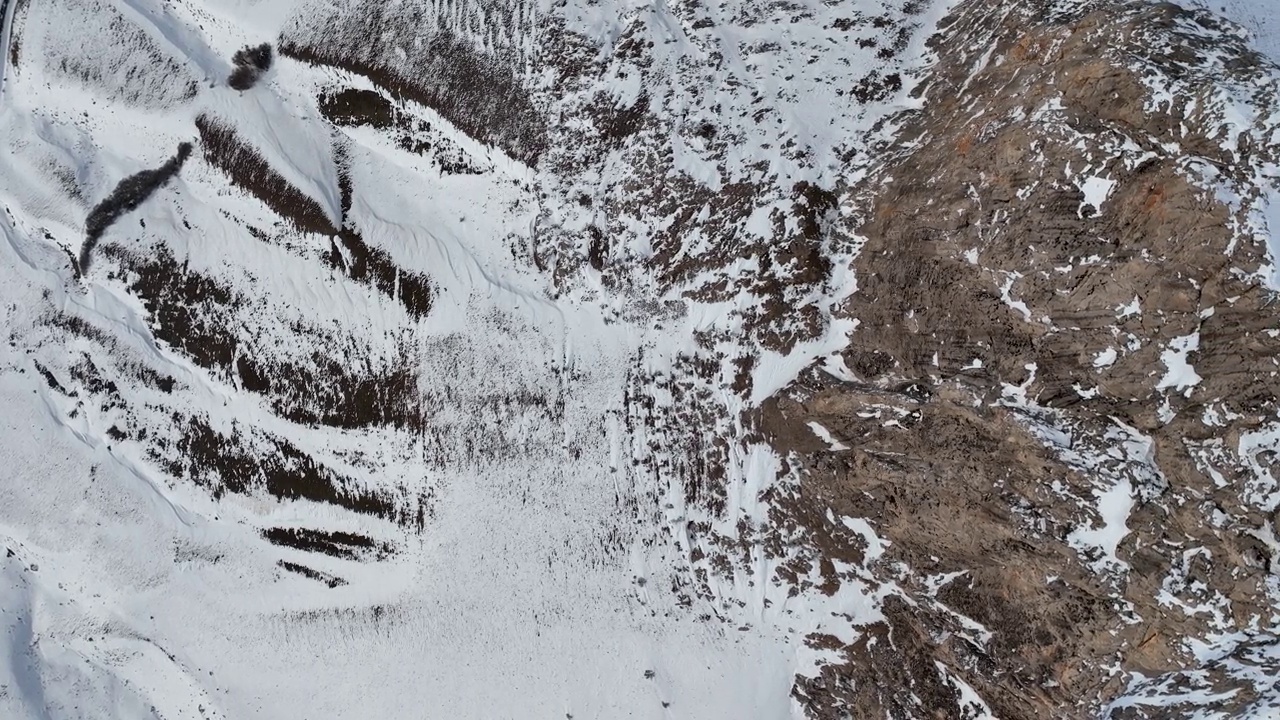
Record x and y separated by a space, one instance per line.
849 359
1058 406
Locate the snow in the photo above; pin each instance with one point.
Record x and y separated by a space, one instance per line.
1119 464
1017 394
1270 220
1242 658
1113 506
467 611
1020 306
1269 539
875 544
1257 448
1134 307
540 583
1096 190
1256 16
1085 393
825 435
1180 375
972 705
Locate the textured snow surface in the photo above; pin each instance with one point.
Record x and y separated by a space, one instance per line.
506 607
1179 373
1259 17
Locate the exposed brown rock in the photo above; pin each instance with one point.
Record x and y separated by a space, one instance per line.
986 270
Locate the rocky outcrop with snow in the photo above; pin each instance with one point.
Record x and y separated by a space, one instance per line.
902 358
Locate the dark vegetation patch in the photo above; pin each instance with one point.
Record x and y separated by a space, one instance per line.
332 581
676 457
329 391
374 267
349 546
875 87
193 313
187 310
335 384
814 208
597 249
128 195
480 93
15 29
350 618
617 124
86 372
245 462
51 380
354 107
68 181
72 262
137 370
248 170
251 63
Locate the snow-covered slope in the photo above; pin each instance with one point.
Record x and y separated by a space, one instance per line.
310 426
1256 16
419 363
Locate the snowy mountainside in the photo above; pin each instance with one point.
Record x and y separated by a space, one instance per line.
328 370
1255 16
503 359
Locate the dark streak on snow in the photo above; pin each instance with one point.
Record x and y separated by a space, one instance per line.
345 545
332 581
128 195
248 170
334 384
370 265
249 460
109 344
52 381
364 263
355 107
478 93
